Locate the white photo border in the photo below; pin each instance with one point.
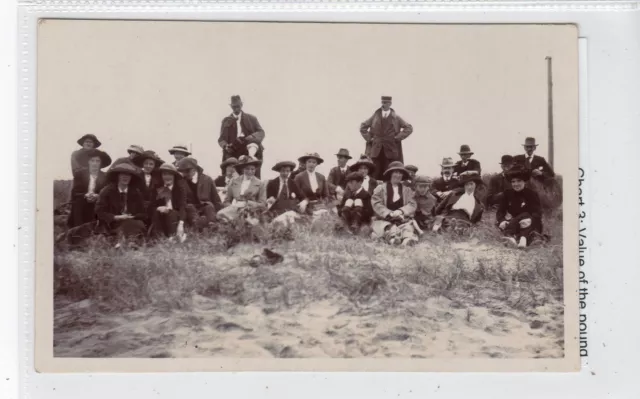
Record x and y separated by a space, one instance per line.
594 20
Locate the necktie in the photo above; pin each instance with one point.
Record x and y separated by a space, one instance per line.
123 199
529 161
284 193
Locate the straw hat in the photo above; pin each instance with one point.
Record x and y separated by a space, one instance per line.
447 162
311 155
393 167
179 148
96 142
246 160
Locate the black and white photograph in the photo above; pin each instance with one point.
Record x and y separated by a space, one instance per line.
319 191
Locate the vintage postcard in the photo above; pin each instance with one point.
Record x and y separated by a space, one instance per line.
222 196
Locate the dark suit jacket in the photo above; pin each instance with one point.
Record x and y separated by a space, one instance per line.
537 162
367 208
497 185
444 208
81 210
440 185
205 191
373 183
76 159
295 195
302 181
109 204
391 141
337 178
519 205
149 192
472 164
178 195
253 132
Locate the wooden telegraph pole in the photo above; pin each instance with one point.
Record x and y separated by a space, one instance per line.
550 107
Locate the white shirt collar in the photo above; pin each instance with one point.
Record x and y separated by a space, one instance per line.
528 156
239 116
123 191
194 179
385 113
360 189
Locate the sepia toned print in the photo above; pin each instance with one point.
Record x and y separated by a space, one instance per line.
402 196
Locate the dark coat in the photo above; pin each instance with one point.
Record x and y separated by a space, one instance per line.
373 183
296 172
497 185
110 204
302 181
295 195
206 191
220 181
253 133
389 140
472 165
83 211
337 179
178 195
76 160
444 207
441 185
367 208
149 192
520 205
537 162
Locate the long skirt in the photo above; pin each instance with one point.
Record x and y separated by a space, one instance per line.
82 212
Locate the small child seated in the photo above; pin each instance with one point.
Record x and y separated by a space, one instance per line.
355 208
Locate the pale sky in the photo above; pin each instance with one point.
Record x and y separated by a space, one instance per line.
158 84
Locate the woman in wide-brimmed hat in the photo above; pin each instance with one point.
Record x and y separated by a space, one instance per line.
519 214
169 207
179 152
461 208
466 165
203 200
88 181
149 162
367 168
228 172
338 174
394 207
245 191
87 142
283 194
313 185
120 207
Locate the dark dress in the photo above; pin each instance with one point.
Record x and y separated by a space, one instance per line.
356 216
287 199
112 203
167 223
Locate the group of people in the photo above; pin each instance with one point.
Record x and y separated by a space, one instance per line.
140 195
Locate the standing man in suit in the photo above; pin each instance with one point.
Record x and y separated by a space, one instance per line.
337 178
537 165
241 134
466 165
384 132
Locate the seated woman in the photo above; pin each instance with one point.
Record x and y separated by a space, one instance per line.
88 180
460 209
149 162
283 195
519 214
246 192
366 168
120 207
169 207
355 208
229 173
394 207
313 186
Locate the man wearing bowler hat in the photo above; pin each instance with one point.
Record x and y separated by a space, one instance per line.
466 165
384 132
499 182
536 164
241 134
